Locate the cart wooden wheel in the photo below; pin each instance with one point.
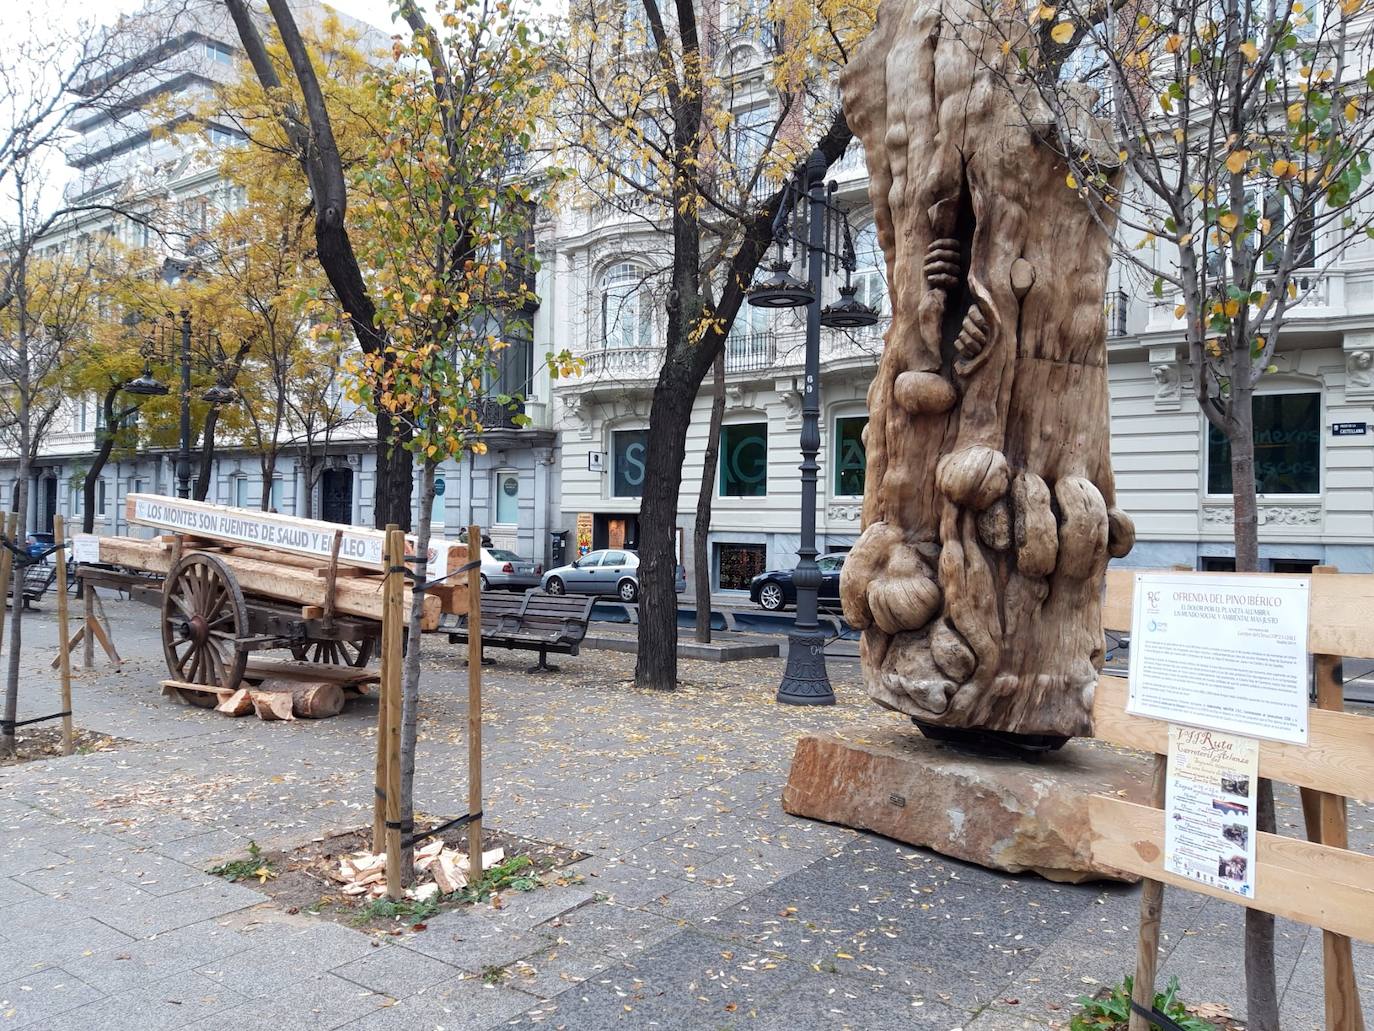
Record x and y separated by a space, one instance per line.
203 616
335 653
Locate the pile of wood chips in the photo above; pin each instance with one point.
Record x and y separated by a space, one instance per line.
439 870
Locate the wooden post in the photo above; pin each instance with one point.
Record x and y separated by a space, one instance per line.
1151 909
391 677
64 652
379 791
474 704
87 635
1325 816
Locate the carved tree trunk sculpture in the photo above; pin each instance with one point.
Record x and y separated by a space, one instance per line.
989 505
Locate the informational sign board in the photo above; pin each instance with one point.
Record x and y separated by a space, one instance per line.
85 547
439 486
357 545
1349 429
1209 831
596 461
1221 653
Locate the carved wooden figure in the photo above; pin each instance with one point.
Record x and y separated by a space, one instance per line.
989 506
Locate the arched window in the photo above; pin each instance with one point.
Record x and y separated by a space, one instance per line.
870 278
627 317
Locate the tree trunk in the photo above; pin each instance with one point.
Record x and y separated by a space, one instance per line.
305 506
1243 484
201 490
669 416
15 636
1261 986
102 456
1261 993
395 480
269 473
701 560
410 677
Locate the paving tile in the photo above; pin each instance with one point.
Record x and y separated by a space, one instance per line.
457 1005
395 970
317 1003
154 914
840 1004
554 971
37 998
172 1002
690 980
472 943
44 930
147 960
274 964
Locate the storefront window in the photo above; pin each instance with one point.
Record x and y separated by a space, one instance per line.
629 449
850 460
740 563
1288 441
744 460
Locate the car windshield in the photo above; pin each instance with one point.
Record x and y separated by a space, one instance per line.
502 555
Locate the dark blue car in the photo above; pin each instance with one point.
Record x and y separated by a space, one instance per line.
774 589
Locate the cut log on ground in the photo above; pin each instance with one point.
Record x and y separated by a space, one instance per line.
273 705
237 704
312 701
360 596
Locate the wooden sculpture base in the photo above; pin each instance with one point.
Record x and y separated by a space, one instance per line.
998 811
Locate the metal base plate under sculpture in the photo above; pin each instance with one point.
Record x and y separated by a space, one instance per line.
805 681
995 811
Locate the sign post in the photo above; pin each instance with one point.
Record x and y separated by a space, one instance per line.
1215 728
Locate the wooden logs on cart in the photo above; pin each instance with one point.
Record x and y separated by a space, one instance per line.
292 542
353 595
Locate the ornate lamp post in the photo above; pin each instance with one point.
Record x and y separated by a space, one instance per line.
814 226
157 348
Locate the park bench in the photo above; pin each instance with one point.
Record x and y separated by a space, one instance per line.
531 622
38 578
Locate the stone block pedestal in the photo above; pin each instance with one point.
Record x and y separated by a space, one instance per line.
999 812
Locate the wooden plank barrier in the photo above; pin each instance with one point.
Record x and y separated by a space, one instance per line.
1318 882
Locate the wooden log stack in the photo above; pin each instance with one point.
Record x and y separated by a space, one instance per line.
353 595
279 556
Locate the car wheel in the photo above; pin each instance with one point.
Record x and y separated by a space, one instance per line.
770 596
554 586
628 590
485 585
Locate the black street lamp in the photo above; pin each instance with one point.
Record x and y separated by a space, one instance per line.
815 226
155 348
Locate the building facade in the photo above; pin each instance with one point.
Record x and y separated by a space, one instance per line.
572 476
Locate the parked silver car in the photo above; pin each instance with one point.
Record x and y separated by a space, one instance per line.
505 570
610 571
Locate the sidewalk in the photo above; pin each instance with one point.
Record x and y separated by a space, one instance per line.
702 904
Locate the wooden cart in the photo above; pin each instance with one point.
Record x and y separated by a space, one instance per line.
210 627
244 582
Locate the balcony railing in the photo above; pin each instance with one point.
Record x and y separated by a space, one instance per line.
622 363
1316 294
750 352
497 416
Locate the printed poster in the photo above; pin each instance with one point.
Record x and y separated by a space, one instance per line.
85 548
1209 831
1227 653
